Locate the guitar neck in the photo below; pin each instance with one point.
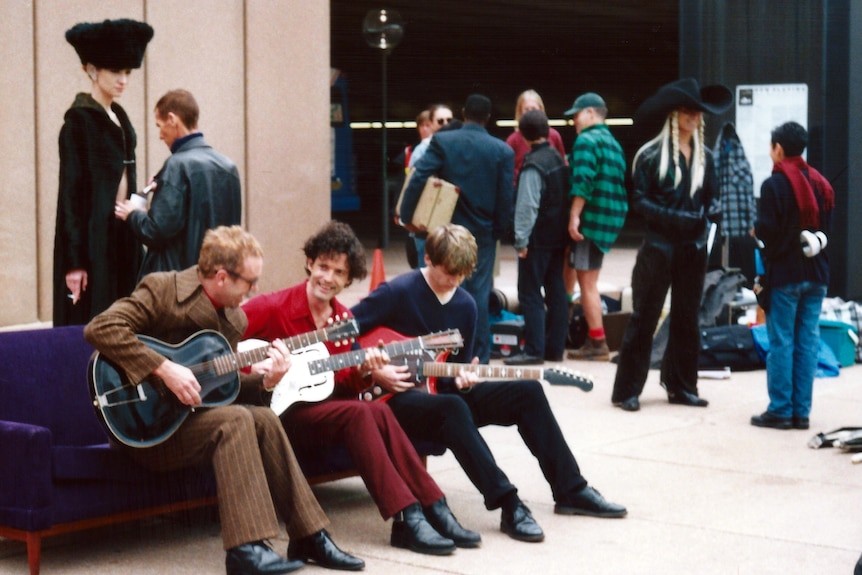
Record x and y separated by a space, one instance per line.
442 369
357 356
236 361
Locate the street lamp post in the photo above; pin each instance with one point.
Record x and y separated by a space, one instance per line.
383 29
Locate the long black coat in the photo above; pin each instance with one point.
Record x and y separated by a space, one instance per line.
93 154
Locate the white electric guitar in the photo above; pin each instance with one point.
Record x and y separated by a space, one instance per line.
311 376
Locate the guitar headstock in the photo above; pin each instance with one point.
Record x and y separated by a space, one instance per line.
566 376
449 339
341 331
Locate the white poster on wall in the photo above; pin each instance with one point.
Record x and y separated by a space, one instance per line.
759 109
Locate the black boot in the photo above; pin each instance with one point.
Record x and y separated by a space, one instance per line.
410 530
319 548
444 522
257 559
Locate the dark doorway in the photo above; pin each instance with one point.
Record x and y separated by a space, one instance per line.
622 49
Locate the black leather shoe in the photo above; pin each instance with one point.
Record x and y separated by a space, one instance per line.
631 404
590 502
257 559
800 422
767 419
519 524
443 521
524 359
683 397
410 530
319 548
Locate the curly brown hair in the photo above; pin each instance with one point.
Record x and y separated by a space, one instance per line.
337 238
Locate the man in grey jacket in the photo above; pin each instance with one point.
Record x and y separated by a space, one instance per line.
197 189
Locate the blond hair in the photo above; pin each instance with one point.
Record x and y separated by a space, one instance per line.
527 95
453 247
667 142
227 247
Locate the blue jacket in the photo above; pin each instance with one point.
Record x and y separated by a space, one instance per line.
482 166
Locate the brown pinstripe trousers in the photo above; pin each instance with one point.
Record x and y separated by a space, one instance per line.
256 471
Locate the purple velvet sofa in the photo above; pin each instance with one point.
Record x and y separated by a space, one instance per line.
58 473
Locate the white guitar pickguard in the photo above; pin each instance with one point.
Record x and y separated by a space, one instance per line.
298 385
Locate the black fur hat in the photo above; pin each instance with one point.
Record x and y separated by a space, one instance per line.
112 44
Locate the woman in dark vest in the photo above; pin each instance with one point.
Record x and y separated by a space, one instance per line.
96 257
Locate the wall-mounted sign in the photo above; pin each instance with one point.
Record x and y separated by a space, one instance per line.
759 109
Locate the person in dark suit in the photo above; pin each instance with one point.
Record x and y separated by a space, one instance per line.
257 474
197 189
483 168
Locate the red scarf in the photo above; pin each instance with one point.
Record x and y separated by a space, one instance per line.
809 212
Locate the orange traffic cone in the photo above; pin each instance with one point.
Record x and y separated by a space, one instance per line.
378 275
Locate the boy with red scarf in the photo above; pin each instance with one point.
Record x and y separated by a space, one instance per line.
793 222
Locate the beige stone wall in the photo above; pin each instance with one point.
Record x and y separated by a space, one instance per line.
260 72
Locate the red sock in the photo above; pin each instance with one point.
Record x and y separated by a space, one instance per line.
597 333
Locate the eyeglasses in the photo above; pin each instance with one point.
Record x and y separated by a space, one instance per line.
237 276
441 121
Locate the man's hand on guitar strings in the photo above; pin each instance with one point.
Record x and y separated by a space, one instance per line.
467 379
275 365
393 378
181 381
375 358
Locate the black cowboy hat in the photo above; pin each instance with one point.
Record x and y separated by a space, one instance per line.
684 93
112 44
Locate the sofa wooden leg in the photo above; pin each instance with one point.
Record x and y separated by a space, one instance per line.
34 551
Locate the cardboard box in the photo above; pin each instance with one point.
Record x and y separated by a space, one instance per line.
507 338
436 204
841 338
615 327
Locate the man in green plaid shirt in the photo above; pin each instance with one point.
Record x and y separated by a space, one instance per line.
599 207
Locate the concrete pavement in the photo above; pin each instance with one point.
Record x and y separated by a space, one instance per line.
706 492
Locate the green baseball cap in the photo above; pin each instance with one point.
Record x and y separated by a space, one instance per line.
588 100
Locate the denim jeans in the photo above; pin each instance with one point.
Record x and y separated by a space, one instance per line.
793 325
479 286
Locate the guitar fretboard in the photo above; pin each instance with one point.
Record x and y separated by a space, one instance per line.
232 362
441 369
444 340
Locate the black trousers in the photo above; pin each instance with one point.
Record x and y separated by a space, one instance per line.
657 268
453 419
544 330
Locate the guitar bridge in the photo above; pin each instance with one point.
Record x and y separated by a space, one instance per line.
104 400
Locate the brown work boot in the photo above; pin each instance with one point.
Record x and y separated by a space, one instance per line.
592 350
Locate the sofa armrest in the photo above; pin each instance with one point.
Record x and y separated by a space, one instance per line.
25 476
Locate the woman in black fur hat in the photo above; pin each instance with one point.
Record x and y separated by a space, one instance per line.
96 257
675 190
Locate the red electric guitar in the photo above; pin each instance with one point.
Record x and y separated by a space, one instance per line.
425 368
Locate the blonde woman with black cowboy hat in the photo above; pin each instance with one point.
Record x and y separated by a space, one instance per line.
675 190
96 257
